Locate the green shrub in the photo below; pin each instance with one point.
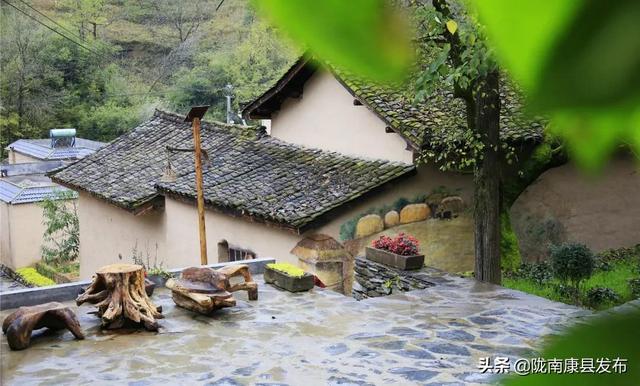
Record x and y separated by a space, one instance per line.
400 203
567 292
597 296
348 228
539 273
31 276
634 284
509 250
572 263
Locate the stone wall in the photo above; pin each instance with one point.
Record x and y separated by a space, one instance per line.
374 280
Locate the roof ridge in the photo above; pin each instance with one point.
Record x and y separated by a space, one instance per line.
175 117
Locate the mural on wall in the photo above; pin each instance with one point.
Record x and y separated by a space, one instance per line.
441 221
441 203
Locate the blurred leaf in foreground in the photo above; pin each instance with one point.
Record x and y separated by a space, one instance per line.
368 37
610 337
579 62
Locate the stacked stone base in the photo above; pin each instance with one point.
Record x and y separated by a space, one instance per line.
374 280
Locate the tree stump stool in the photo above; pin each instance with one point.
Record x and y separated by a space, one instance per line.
205 290
19 325
118 290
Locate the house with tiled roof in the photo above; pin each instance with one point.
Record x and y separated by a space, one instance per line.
24 185
315 104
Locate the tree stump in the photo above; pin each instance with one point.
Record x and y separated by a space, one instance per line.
118 290
205 290
19 325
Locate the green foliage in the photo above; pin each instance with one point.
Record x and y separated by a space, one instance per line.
537 279
31 276
605 337
510 258
634 287
598 296
62 231
581 68
368 37
572 263
289 269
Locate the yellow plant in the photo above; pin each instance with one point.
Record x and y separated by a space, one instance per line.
31 276
287 268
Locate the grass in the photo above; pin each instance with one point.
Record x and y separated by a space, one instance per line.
31 276
617 279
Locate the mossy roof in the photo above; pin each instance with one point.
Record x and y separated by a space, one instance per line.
249 174
439 118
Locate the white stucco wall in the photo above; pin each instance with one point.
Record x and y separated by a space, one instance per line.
108 232
21 231
326 118
183 241
15 157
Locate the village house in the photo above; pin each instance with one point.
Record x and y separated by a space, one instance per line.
337 148
24 185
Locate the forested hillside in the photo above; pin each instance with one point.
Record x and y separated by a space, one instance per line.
102 66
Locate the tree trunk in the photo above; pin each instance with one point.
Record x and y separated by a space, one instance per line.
487 179
118 290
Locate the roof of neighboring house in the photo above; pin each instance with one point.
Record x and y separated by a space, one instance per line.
28 188
441 117
39 167
41 148
250 173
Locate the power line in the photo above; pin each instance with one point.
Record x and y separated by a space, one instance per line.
52 20
50 28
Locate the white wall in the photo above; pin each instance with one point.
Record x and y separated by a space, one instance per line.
15 157
183 240
326 118
108 232
21 231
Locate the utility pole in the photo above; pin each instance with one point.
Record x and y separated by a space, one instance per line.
194 116
229 89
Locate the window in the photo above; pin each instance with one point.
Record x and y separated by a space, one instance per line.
228 252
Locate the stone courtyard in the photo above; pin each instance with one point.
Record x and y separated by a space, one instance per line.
431 336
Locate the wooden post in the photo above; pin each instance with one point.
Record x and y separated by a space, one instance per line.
200 194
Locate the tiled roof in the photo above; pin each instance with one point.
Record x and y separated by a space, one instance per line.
250 173
41 148
440 117
27 189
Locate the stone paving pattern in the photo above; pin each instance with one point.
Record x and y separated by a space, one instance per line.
432 337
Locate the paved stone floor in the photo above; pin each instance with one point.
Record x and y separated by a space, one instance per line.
431 336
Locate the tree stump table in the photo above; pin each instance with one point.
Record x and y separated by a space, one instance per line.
204 290
118 290
19 325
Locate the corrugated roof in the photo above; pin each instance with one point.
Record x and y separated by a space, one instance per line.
27 189
41 149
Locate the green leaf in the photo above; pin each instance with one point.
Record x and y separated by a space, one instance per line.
364 36
452 26
611 336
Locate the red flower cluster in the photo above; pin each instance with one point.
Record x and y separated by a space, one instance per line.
402 244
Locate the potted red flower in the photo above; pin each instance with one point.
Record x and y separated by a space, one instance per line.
399 252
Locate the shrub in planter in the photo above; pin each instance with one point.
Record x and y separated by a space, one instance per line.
601 295
400 252
31 276
572 262
288 277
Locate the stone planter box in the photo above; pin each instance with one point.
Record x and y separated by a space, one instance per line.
286 282
404 263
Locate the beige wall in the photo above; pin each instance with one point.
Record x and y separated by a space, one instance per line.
326 118
184 246
602 212
21 231
107 232
15 157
